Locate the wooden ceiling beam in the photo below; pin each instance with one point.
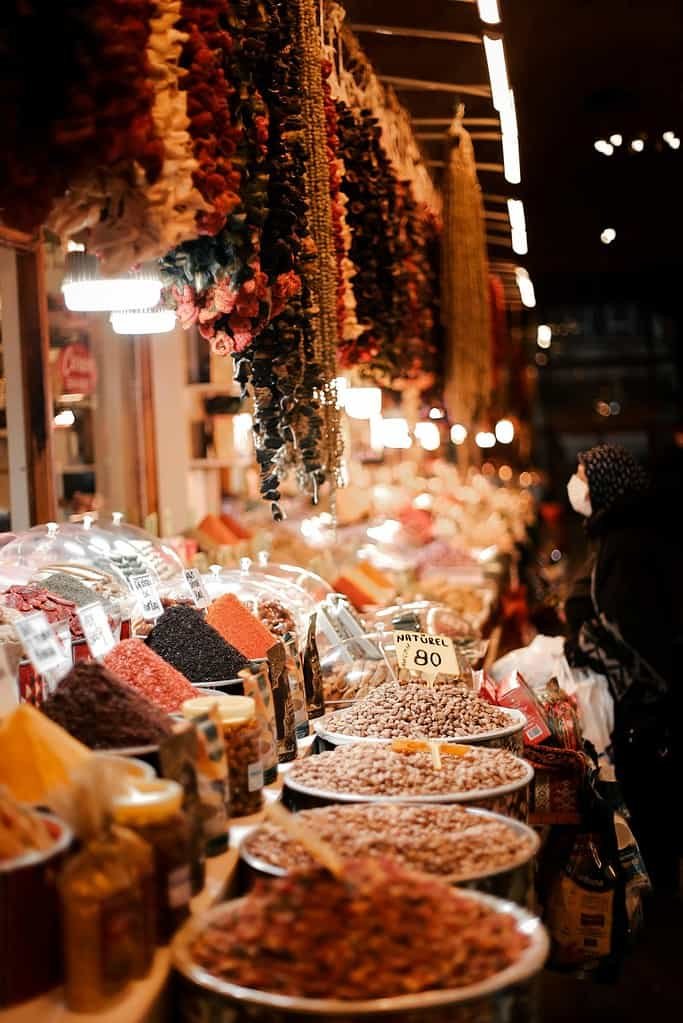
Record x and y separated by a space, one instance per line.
403 32
423 85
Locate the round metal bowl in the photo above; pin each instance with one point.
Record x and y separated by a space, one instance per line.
512 881
511 737
511 800
505 996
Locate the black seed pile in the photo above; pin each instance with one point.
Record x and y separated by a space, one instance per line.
103 712
193 647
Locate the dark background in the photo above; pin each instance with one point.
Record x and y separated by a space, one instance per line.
581 70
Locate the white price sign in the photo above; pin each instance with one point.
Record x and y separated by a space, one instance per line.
197 588
96 629
148 597
9 691
41 644
430 655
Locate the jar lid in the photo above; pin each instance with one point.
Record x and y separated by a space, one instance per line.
232 710
148 801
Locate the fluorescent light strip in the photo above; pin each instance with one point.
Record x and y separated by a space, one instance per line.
508 124
488 11
526 288
498 76
518 226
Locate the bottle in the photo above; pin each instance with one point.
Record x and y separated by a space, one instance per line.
153 810
103 923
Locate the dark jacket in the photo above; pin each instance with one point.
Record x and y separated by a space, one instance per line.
636 562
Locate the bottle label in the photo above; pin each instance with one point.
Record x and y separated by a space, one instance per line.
179 886
255 777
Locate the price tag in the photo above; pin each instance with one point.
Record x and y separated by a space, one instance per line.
96 629
41 644
430 655
197 588
148 597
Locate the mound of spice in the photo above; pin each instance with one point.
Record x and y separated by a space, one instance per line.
238 626
71 588
378 770
393 711
445 840
278 620
185 640
403 932
103 712
150 675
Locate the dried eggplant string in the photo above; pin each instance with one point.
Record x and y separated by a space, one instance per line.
464 284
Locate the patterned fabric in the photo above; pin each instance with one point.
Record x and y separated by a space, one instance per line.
612 474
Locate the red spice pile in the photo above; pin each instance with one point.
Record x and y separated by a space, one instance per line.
142 669
237 625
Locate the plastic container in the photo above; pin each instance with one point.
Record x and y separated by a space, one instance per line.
510 737
30 931
153 810
513 881
507 997
511 799
159 557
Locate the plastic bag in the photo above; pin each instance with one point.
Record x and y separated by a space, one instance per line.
537 662
594 701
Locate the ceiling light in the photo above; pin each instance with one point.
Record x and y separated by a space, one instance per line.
485 439
616 139
544 335
675 143
498 75
436 413
510 140
505 473
363 402
518 226
428 435
458 433
526 287
143 321
608 235
65 418
603 147
242 425
505 431
638 145
488 11
85 290
390 433
671 139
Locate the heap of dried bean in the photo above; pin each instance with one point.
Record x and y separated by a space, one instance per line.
394 711
380 931
378 770
444 840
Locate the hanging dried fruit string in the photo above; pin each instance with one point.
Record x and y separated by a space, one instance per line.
282 364
465 285
322 278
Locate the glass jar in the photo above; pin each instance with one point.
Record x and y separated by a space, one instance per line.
153 810
103 923
242 737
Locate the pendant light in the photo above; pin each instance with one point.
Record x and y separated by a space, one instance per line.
85 290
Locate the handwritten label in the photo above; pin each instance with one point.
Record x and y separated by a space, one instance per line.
148 597
96 629
429 655
197 588
42 646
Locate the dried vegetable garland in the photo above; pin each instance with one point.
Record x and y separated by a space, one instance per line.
322 278
465 285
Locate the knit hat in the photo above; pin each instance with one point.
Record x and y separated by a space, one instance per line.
612 474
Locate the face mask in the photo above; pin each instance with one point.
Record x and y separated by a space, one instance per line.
579 499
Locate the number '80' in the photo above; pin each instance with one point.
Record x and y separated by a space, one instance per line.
422 659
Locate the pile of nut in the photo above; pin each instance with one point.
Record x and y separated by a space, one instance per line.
378 931
353 682
276 617
446 840
373 769
415 711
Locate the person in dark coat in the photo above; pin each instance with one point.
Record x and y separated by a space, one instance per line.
622 621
